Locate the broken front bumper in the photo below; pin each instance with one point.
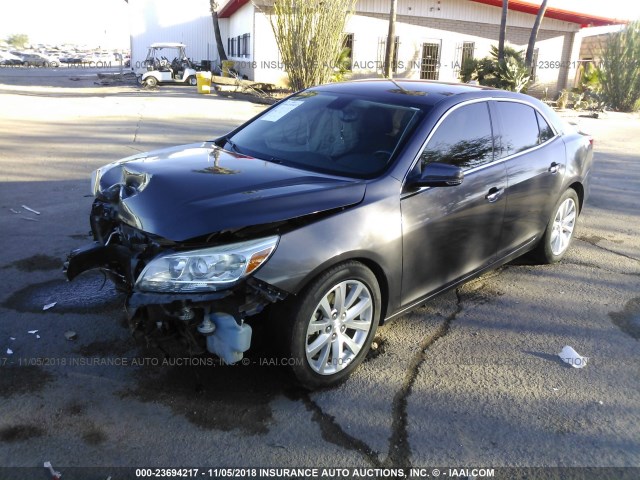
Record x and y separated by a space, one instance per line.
216 317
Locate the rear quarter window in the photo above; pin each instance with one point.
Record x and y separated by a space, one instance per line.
546 132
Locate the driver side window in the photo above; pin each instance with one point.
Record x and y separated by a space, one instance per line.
463 139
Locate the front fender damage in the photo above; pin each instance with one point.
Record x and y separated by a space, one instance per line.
213 320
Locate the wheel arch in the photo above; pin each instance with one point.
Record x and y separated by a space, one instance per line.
370 263
579 189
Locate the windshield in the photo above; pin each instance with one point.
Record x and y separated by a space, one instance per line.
328 132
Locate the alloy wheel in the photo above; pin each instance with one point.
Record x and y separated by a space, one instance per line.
339 327
563 226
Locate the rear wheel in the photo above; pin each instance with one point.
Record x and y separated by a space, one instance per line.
560 229
150 82
331 325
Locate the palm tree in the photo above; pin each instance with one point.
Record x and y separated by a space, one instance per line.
388 56
534 33
213 6
503 30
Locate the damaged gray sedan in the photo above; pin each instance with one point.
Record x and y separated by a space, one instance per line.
335 210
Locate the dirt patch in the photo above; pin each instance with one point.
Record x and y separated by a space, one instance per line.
216 396
36 262
19 433
16 380
628 320
75 409
105 348
87 294
94 436
593 239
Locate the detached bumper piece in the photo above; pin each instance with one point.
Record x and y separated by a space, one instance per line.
97 255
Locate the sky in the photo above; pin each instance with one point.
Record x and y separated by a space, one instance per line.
619 9
102 23
105 23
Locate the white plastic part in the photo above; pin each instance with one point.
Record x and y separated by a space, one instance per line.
229 340
570 356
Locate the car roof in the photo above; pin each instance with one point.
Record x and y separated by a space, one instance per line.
426 94
414 92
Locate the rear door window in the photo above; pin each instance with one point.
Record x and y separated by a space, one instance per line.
520 130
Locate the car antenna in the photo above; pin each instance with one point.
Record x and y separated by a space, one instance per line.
404 90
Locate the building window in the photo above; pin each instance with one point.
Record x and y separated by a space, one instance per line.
239 46
468 52
246 41
464 51
382 53
430 61
232 47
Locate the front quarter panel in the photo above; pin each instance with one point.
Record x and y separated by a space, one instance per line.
370 232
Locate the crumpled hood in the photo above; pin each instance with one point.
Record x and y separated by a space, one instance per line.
188 191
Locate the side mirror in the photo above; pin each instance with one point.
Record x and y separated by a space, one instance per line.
439 175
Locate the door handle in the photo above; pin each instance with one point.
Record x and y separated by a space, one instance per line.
494 194
554 168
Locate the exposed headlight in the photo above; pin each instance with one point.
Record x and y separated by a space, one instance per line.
207 269
95 181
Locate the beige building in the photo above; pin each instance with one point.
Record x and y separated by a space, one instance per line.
433 36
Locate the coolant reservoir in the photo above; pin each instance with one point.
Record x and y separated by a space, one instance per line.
229 340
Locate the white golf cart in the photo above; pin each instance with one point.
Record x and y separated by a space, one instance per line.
159 69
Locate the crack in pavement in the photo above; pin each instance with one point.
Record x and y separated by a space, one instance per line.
332 432
399 454
583 239
138 123
399 448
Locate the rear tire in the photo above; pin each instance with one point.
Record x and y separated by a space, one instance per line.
560 229
329 327
150 82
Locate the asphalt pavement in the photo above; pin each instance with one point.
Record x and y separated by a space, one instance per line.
472 378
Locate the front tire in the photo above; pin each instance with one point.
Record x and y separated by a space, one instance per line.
560 229
192 81
331 325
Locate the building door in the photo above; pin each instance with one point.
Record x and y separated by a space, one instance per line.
430 63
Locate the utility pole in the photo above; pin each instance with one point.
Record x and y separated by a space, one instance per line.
391 41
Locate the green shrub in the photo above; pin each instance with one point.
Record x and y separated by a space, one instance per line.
511 74
619 72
